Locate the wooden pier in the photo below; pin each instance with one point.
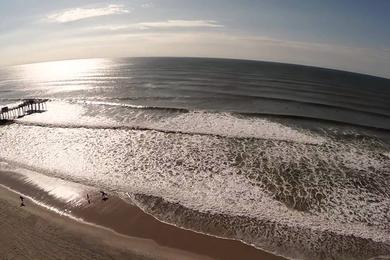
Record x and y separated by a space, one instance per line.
25 107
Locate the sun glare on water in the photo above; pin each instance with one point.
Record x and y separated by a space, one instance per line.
57 79
63 70
63 76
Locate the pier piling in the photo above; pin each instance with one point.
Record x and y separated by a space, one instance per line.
25 107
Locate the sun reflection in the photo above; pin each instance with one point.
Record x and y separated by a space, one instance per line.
63 70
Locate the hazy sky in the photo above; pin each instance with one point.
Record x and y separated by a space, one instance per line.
352 35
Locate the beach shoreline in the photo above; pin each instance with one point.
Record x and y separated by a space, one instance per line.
136 234
32 232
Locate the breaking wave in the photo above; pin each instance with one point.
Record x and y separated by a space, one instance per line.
277 187
255 151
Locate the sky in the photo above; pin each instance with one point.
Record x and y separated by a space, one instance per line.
351 35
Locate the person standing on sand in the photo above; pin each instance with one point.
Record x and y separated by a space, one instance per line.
21 201
89 201
104 195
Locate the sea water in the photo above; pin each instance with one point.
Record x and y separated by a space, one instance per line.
291 159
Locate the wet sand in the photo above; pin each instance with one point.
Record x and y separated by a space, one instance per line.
32 232
115 229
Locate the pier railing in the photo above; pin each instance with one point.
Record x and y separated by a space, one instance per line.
25 107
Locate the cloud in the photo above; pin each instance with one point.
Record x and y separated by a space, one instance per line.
180 24
170 24
147 5
75 14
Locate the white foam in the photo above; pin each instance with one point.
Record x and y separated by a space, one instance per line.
228 125
65 114
342 185
201 172
222 124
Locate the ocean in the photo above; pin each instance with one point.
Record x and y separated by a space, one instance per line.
291 159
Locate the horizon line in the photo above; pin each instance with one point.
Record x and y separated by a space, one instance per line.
198 57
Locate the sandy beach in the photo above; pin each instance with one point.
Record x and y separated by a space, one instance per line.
34 233
110 229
